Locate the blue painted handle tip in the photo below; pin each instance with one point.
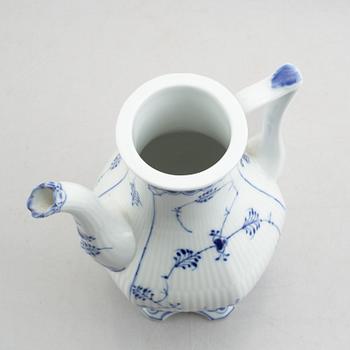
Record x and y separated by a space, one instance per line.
285 76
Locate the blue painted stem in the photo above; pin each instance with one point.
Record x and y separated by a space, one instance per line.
115 185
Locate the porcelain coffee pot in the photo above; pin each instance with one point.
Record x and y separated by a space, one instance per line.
194 242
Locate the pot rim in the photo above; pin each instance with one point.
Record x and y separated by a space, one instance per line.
233 113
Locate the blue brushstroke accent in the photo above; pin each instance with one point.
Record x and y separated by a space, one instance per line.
146 244
135 196
158 315
114 164
159 192
206 194
217 314
114 186
91 249
270 222
88 245
286 75
260 190
177 211
245 160
185 258
59 197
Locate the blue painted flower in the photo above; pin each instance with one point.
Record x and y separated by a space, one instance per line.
89 248
220 243
86 237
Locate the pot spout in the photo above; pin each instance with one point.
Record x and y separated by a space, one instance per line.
105 237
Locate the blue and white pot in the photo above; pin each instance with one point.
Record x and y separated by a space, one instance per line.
196 242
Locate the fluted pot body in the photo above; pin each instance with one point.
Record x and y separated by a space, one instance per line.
178 229
197 250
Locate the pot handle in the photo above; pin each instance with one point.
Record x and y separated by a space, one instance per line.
273 93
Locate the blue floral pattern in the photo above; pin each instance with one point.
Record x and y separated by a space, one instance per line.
188 259
185 258
205 195
87 245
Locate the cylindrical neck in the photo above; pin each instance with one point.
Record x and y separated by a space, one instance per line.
181 132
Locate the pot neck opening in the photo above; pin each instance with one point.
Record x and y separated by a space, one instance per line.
181 132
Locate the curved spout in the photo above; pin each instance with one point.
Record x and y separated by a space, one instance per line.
274 93
105 237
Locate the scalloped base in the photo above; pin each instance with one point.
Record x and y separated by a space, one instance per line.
217 314
160 315
156 314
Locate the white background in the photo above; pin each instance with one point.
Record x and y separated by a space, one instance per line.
65 69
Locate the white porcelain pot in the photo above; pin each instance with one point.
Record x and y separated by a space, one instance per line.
196 242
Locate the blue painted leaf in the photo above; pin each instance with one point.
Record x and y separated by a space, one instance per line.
135 197
186 259
85 237
115 162
207 195
252 222
142 293
89 248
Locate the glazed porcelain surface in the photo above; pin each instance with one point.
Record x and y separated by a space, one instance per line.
184 243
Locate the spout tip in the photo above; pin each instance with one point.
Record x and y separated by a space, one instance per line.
286 76
46 199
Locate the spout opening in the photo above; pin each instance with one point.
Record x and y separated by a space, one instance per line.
46 199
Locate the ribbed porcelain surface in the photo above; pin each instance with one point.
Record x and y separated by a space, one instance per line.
196 250
193 241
